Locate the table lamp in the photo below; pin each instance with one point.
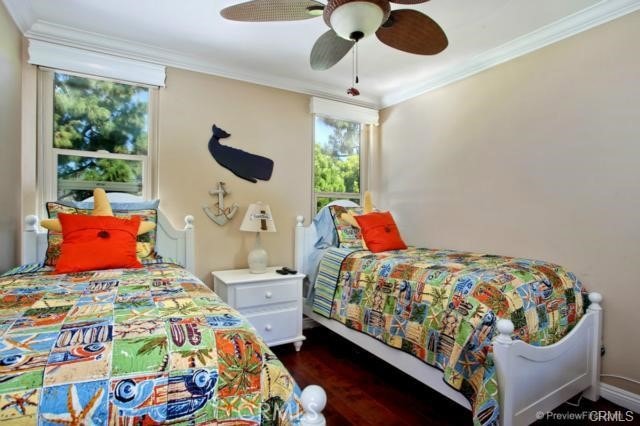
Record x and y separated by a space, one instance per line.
258 219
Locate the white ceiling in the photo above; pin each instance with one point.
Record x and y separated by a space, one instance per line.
191 34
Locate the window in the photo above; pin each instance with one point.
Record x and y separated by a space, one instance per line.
337 161
94 133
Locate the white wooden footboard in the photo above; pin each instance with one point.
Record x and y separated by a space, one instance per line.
533 380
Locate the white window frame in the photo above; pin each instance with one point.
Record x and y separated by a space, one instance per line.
365 136
47 178
336 110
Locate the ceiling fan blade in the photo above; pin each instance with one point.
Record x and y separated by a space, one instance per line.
328 50
414 32
408 1
273 10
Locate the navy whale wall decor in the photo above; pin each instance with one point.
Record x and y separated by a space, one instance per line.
243 164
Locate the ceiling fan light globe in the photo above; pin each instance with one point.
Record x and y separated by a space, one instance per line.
358 16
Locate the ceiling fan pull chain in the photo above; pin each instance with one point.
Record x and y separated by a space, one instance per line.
353 91
353 65
356 73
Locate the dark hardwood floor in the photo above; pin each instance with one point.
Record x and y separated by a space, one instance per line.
363 390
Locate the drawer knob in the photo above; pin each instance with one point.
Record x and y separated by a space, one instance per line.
268 295
268 327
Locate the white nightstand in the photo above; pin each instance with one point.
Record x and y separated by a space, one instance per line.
270 301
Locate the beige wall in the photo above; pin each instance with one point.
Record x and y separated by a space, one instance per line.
537 157
10 65
265 121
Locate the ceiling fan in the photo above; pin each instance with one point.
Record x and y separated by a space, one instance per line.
350 21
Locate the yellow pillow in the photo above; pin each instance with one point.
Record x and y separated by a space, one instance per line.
101 207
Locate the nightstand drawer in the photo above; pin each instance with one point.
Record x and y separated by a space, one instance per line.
267 293
271 302
275 326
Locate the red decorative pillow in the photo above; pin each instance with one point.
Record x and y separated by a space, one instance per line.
97 242
380 232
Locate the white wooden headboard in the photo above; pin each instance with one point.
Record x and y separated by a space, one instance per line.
177 244
305 237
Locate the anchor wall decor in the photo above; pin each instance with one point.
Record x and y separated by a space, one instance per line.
219 213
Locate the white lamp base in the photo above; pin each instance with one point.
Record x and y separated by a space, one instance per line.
258 258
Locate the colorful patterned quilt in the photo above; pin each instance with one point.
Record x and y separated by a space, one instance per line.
441 306
133 346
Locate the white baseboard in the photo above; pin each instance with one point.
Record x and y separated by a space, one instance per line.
309 323
623 398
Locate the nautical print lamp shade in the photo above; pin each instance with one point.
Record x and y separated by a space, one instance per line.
258 219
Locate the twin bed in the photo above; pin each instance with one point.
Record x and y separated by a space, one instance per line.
151 345
507 338
510 337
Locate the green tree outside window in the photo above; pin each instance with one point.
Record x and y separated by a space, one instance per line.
336 159
98 117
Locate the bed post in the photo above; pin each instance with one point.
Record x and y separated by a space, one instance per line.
299 244
313 400
189 256
593 392
30 240
313 397
501 348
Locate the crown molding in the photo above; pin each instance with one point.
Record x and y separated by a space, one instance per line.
590 17
72 37
22 16
600 13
